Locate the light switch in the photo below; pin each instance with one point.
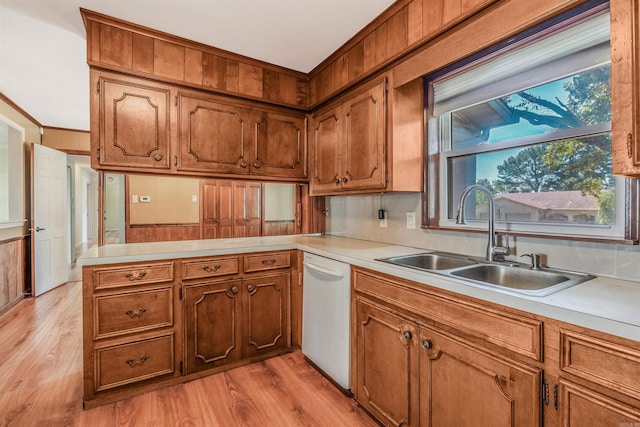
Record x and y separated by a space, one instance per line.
194 198
411 220
134 198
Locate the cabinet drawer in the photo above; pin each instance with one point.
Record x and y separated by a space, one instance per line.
133 362
268 261
132 312
140 274
603 362
507 330
210 267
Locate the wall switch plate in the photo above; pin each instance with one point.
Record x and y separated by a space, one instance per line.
411 220
134 198
194 198
383 222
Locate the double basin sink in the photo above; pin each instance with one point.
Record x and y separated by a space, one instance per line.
505 276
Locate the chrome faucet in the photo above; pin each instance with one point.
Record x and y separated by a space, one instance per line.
494 252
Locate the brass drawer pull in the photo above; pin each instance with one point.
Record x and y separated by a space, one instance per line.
211 269
139 362
133 314
270 261
133 277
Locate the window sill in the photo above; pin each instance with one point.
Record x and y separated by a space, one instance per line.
537 235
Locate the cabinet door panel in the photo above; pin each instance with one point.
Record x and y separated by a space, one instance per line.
225 224
134 125
387 365
583 407
212 319
247 209
364 143
325 147
210 208
267 314
213 136
460 385
280 146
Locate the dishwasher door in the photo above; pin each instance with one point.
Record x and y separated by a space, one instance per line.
326 303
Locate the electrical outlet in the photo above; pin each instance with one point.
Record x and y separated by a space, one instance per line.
383 222
411 220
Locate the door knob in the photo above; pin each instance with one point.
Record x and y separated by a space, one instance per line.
40 229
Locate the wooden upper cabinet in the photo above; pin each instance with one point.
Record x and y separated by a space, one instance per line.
134 123
365 139
222 138
280 146
325 152
349 144
127 47
625 87
213 137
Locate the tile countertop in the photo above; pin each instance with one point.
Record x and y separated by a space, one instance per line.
605 304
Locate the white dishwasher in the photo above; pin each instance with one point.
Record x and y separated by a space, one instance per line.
326 303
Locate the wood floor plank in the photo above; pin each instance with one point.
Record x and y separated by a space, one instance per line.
41 382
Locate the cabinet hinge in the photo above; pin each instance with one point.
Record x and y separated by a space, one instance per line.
386 86
545 392
176 101
630 145
556 391
98 154
181 367
175 160
180 293
98 87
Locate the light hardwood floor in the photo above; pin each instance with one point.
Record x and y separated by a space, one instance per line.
41 382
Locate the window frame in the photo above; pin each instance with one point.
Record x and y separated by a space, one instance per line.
435 192
15 194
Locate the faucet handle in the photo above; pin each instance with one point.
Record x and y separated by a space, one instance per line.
535 260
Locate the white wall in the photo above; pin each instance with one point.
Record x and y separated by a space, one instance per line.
357 217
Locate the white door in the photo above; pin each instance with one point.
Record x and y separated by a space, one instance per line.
49 219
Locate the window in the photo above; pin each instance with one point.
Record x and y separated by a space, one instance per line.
532 123
11 174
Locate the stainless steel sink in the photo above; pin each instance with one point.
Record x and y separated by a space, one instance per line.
505 277
511 277
430 261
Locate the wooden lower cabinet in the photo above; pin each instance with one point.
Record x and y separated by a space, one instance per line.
413 375
582 406
212 325
235 319
462 385
267 326
422 356
386 353
148 325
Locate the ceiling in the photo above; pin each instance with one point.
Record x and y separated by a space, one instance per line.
43 45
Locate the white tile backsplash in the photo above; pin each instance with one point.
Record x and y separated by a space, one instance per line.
357 217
